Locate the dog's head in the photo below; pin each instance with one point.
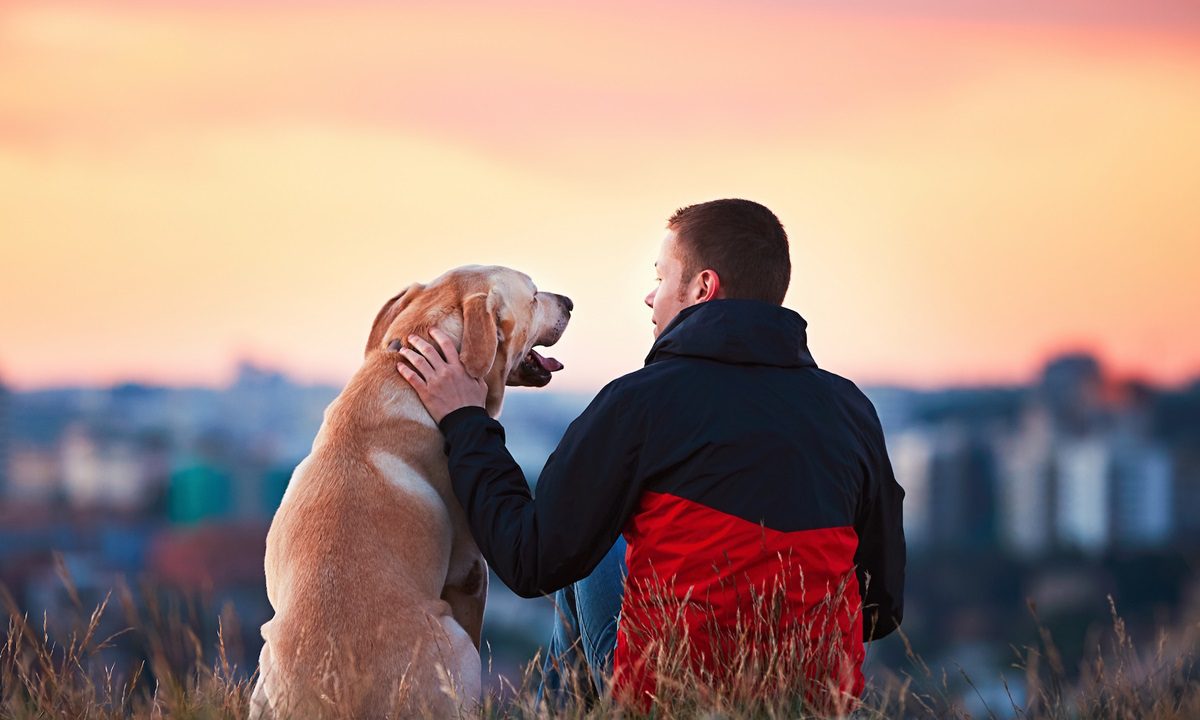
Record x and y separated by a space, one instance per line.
497 314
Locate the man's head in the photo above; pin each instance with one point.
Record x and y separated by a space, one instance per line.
719 249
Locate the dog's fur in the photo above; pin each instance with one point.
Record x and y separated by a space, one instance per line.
377 585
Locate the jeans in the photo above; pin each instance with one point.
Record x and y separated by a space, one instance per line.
584 634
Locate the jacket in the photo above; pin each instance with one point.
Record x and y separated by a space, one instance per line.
733 465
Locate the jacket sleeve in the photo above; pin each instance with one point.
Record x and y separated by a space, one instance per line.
585 493
881 551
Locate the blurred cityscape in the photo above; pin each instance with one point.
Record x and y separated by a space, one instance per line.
1059 493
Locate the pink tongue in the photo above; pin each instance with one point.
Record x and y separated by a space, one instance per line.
548 364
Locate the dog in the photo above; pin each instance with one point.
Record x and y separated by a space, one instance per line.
378 587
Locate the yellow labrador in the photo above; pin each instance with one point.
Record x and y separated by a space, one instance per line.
377 586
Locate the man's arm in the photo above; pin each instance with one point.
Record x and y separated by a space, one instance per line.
881 551
585 493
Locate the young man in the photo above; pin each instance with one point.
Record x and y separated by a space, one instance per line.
732 465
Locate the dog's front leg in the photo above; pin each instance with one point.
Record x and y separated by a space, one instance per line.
260 703
466 595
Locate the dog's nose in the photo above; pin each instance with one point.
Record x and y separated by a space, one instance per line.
566 301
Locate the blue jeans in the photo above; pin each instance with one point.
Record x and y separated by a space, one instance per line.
584 635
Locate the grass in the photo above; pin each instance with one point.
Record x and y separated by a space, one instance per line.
66 666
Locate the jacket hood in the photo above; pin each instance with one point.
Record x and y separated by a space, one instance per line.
746 332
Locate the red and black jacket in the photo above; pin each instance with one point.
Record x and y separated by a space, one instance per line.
729 460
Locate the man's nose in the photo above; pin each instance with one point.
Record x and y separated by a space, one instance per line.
649 300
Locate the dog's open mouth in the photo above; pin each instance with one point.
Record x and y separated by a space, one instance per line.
535 370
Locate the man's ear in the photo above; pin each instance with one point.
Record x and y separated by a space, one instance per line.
479 341
709 285
388 313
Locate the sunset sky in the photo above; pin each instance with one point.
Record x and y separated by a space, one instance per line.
967 188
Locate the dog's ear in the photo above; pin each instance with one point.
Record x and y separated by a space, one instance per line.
387 313
479 341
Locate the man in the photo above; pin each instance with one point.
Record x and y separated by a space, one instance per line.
733 466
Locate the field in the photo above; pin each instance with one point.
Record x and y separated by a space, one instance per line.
64 667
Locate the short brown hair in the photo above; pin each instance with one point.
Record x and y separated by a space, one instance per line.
742 241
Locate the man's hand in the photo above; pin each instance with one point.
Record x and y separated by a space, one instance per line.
443 385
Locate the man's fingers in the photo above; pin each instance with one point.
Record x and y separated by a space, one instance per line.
430 352
419 363
409 374
446 343
412 376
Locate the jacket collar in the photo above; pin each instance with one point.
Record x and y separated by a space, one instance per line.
747 332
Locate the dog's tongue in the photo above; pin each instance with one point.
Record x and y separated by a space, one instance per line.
548 364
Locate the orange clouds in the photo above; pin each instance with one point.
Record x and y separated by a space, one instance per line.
181 183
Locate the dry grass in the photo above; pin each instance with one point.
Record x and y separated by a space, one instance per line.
47 671
60 667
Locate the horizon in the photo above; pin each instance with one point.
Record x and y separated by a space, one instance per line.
1110 379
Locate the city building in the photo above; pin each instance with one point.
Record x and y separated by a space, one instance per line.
1083 472
1026 487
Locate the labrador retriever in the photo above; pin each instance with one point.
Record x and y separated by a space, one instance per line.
377 585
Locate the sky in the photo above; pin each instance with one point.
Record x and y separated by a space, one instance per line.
968 187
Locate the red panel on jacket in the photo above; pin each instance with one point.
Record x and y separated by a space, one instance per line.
708 569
